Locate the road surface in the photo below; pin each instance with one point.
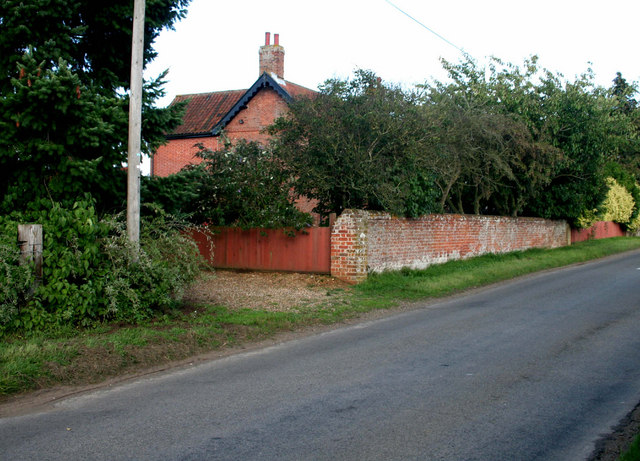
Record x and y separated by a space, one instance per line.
534 369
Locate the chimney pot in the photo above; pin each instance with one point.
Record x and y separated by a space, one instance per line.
276 39
267 38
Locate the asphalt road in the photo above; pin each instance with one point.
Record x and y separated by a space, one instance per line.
537 368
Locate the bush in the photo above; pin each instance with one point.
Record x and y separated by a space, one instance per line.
89 272
15 279
618 206
242 185
178 194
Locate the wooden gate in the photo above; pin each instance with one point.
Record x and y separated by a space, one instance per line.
267 249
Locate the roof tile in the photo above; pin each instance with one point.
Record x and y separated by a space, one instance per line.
205 110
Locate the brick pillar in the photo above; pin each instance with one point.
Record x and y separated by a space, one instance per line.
349 246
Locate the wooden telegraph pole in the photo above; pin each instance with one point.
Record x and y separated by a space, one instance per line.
135 125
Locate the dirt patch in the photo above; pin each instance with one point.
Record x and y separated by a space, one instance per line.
273 291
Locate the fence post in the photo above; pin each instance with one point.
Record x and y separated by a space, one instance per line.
30 243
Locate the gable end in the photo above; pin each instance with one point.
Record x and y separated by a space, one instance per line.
264 81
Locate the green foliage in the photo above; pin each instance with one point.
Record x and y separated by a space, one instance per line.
89 273
499 139
15 279
246 186
358 144
93 36
618 205
487 157
626 178
633 453
63 100
539 144
58 138
242 185
177 194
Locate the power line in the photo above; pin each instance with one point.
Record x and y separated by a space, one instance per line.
429 29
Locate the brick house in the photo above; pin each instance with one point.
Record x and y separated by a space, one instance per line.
242 114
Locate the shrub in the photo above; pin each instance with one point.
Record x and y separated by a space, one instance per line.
15 279
242 185
178 194
89 272
618 205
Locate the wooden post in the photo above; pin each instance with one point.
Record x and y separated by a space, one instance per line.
30 243
135 123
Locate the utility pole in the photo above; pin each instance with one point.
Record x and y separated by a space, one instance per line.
135 127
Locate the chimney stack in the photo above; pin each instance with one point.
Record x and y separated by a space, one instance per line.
272 57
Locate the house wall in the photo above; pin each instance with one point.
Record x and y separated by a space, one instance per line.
178 153
261 111
249 124
363 242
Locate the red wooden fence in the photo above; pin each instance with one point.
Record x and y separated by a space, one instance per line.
599 230
267 249
310 250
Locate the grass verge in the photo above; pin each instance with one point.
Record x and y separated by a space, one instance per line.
633 453
79 357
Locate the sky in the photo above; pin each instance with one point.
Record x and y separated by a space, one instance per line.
215 47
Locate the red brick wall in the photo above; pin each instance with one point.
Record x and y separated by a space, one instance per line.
599 230
178 153
272 60
248 124
363 242
260 113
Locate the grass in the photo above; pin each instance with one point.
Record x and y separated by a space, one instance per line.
448 278
78 357
633 453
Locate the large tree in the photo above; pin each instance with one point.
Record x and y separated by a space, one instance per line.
358 145
627 108
534 143
64 77
487 158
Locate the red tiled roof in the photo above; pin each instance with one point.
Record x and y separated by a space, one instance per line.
205 110
296 90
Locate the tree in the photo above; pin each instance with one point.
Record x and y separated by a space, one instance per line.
357 145
627 108
577 119
624 92
242 185
64 71
488 158
533 143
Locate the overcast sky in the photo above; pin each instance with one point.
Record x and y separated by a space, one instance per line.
216 46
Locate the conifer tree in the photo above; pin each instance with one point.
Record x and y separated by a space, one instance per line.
64 72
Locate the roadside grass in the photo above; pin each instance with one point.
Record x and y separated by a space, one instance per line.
78 357
454 276
633 453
